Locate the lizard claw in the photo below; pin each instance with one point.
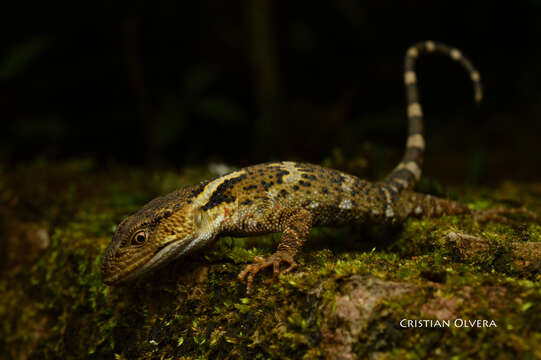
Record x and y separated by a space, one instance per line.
261 263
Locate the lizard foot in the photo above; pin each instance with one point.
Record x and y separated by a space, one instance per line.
497 214
261 263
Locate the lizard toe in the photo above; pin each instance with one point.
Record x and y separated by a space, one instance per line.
275 260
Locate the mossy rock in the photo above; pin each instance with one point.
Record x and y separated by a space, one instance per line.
346 300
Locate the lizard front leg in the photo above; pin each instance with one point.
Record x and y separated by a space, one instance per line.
295 229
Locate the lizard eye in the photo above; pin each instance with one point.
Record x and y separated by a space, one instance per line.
139 238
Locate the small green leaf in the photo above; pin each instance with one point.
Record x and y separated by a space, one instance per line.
526 306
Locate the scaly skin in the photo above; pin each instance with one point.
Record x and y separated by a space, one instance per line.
284 197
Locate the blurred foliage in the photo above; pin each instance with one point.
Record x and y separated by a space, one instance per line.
171 83
20 56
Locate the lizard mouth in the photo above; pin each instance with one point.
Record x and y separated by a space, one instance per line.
162 256
111 277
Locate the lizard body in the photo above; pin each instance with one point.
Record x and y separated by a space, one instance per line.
285 197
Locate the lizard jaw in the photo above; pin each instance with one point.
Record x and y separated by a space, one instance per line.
163 256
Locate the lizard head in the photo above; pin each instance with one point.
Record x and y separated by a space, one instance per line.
163 230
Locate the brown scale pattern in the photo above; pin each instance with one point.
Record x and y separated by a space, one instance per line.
333 198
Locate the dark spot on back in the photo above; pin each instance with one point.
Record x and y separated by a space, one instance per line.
223 193
338 179
266 185
280 174
199 189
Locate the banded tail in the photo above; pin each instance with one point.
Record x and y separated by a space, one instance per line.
408 171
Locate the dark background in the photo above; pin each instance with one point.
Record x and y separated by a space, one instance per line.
172 83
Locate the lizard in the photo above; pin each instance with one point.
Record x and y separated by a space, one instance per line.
286 197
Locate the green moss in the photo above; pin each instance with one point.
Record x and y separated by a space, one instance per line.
57 306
